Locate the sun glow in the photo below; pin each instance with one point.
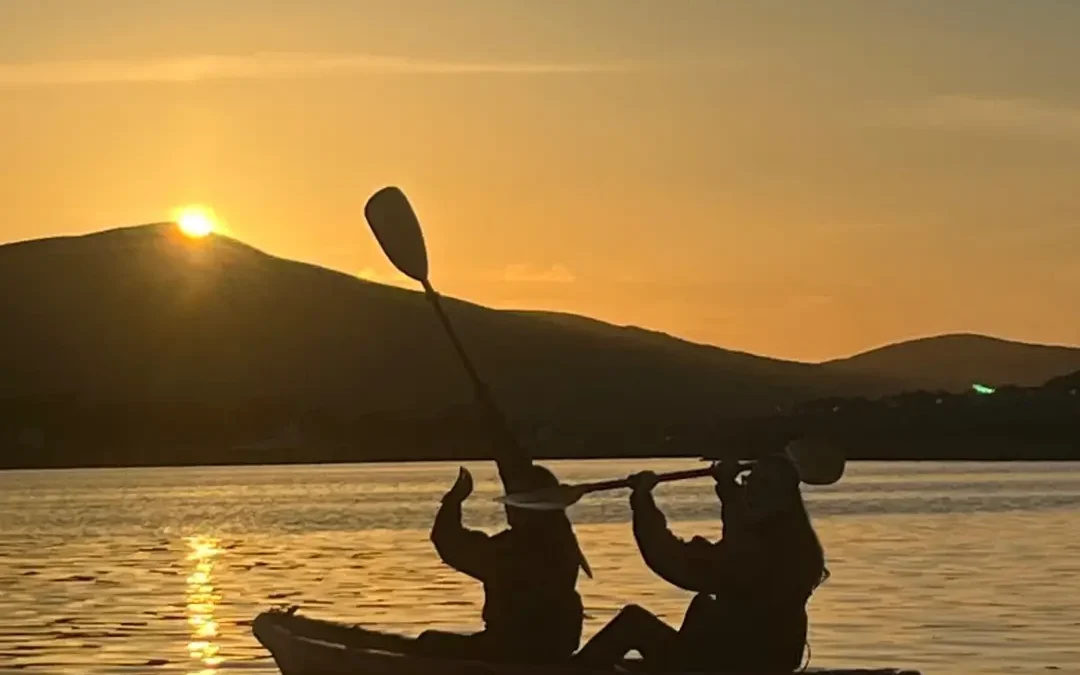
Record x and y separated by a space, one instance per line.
202 601
196 221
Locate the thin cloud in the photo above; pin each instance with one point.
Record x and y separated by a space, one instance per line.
522 273
998 115
201 68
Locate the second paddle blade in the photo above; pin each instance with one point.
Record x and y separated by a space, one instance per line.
818 462
547 499
397 229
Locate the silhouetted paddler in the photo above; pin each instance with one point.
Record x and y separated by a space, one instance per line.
532 610
752 586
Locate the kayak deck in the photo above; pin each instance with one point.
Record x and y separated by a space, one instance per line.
301 645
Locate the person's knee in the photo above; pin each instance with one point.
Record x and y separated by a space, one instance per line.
429 641
636 620
635 612
437 639
451 645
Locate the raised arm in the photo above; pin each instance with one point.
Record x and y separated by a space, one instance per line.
468 551
696 565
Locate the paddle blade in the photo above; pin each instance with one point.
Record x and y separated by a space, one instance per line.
818 462
398 232
548 499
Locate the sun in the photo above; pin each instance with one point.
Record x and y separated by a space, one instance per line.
196 221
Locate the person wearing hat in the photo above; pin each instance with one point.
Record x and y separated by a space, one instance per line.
752 586
532 611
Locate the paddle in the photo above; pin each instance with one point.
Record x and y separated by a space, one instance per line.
398 232
818 464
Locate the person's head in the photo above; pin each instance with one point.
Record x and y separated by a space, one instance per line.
538 478
772 488
546 524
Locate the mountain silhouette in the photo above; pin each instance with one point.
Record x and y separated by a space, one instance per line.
955 362
1069 382
144 315
208 350
147 314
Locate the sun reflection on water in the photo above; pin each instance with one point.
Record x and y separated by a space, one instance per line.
201 601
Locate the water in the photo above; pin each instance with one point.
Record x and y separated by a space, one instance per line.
951 568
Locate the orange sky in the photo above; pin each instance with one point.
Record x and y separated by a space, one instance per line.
801 180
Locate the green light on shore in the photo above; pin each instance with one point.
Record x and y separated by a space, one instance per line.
982 389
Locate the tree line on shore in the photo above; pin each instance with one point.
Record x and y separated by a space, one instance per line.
992 424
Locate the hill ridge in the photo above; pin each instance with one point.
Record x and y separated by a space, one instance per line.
270 326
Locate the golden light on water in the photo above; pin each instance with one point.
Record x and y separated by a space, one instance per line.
202 599
196 221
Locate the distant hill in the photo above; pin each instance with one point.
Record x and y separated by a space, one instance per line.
1070 382
145 314
955 362
1007 423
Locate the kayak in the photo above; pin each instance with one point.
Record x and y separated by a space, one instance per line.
302 645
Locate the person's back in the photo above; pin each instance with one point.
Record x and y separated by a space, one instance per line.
757 623
532 611
755 618
530 598
752 586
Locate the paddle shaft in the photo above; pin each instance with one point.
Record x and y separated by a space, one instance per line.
629 482
509 450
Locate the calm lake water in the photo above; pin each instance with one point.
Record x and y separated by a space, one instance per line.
951 568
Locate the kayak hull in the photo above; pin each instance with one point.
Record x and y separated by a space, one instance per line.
301 645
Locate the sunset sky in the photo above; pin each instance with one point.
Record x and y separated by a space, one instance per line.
796 179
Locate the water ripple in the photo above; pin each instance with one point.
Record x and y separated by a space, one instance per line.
954 568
